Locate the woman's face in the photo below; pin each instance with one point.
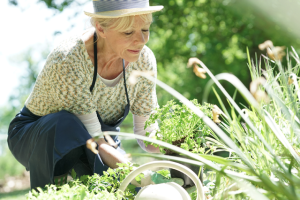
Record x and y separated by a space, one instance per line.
128 44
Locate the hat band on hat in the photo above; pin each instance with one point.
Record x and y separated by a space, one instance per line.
110 5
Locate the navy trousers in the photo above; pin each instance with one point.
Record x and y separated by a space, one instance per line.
51 145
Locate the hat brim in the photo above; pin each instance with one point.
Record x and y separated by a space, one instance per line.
124 12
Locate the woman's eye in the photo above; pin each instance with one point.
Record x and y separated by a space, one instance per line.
128 33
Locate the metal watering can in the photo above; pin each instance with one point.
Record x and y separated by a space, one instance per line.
164 191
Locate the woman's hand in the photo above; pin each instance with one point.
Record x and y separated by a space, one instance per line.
138 128
109 154
150 148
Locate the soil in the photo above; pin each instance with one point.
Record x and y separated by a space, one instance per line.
175 143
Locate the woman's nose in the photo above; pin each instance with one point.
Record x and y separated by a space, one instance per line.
141 38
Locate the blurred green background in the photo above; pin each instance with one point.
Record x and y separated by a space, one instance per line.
218 32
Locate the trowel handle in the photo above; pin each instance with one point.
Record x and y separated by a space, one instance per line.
168 164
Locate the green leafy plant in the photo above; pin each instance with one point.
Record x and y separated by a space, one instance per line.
267 131
90 187
180 126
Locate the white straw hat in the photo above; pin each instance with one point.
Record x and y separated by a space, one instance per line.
121 8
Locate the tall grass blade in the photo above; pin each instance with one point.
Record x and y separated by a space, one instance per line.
276 130
228 173
246 94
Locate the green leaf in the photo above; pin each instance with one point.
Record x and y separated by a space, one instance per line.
164 172
184 146
84 179
73 174
139 177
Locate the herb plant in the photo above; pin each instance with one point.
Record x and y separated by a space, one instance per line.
180 126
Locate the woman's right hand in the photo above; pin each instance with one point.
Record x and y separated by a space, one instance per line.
109 154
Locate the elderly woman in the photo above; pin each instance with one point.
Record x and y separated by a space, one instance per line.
83 90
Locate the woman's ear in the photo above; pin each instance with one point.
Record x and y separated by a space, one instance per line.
100 30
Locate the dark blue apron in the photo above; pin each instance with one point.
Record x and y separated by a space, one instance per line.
55 143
